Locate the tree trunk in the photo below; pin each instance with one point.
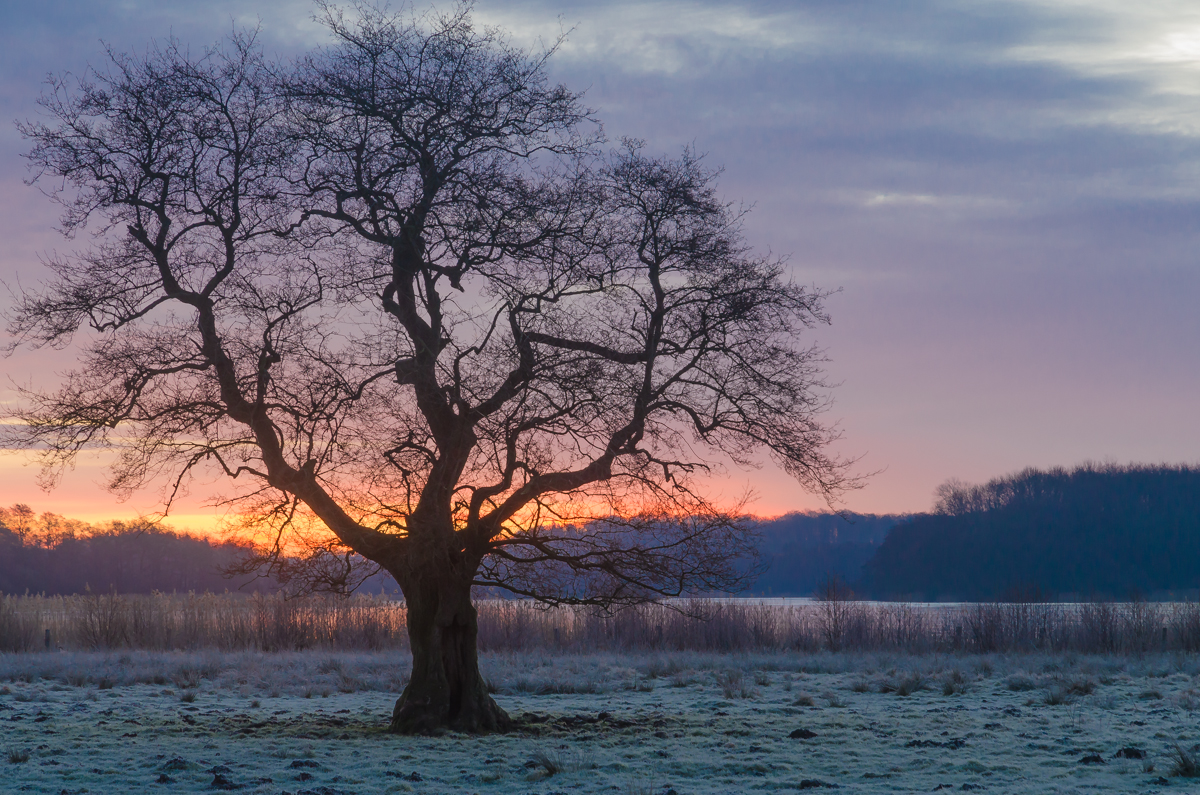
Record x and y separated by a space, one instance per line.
446 690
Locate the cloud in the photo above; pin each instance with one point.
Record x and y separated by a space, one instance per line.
1008 191
666 38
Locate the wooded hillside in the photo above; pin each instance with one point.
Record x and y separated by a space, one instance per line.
801 550
51 554
1093 531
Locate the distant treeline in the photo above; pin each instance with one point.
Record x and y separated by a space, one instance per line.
802 550
1094 532
1090 532
49 554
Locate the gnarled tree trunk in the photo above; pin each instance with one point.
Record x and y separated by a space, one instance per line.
446 690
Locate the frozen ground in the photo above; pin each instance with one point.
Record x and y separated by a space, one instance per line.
646 723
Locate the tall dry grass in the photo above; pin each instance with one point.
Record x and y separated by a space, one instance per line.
226 622
717 626
232 622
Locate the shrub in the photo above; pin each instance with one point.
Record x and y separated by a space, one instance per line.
910 684
1057 696
549 763
732 683
1183 762
832 699
17 632
1019 683
186 678
954 683
1081 686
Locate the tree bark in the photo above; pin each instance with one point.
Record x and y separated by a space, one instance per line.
446 690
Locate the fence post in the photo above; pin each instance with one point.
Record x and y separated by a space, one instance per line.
47 640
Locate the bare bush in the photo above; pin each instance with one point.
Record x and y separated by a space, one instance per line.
954 684
733 685
911 684
550 763
1184 625
17 632
1183 762
837 611
1057 696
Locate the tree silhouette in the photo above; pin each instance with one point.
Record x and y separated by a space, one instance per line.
1094 530
400 296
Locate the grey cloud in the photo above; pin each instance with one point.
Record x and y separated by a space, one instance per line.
1006 190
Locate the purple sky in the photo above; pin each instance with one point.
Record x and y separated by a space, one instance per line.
1007 194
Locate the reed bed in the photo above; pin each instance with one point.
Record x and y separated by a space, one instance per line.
234 622
225 622
849 626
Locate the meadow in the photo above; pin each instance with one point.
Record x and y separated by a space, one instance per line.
264 695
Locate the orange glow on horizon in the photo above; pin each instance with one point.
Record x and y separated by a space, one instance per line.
81 496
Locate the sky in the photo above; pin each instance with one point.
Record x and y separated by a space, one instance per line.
1006 196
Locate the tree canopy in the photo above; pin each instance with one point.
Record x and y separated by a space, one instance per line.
402 293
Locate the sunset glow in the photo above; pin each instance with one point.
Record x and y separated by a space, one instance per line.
1006 209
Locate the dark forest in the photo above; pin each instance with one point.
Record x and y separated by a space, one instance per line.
49 554
1110 531
54 555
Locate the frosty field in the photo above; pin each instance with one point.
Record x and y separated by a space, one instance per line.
695 723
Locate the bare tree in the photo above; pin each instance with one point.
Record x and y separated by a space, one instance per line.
397 294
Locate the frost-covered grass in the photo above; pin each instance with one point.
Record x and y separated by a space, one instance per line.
605 723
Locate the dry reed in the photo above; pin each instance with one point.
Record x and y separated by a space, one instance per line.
234 622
